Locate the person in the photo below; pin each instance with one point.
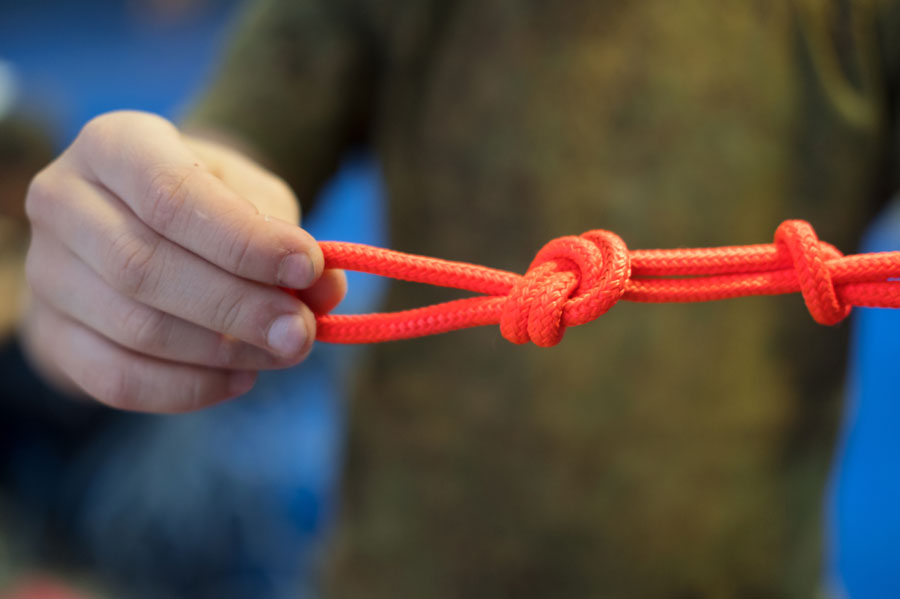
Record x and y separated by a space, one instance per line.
661 451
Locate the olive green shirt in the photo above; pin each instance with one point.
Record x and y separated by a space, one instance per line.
663 450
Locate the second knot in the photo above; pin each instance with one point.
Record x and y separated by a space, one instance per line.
810 257
571 281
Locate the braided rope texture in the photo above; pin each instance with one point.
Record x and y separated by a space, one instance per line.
575 279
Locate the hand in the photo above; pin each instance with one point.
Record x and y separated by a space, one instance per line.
153 266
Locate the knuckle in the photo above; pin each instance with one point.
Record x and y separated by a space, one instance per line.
146 329
237 246
110 386
228 311
225 352
131 265
33 268
41 194
99 131
202 391
167 196
230 352
95 130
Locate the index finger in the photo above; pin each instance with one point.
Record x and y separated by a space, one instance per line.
142 159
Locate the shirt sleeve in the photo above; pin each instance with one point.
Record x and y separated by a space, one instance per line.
296 86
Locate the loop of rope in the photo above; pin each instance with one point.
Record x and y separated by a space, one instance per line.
574 280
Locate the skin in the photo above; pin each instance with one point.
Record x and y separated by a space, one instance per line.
154 269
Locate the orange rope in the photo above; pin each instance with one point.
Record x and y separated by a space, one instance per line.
573 280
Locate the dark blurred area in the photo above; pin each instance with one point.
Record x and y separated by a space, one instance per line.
25 147
663 451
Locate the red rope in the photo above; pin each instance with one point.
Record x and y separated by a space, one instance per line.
573 280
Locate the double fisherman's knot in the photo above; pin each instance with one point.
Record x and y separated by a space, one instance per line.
572 281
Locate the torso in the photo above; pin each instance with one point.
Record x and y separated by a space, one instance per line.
671 450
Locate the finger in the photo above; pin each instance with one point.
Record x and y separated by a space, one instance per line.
144 266
144 161
129 381
62 280
270 194
327 293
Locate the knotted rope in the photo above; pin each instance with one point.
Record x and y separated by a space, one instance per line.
575 279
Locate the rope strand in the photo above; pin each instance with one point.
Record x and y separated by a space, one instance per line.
575 279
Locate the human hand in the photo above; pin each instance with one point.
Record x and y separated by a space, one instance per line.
153 266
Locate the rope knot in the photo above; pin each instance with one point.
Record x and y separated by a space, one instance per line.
809 256
571 281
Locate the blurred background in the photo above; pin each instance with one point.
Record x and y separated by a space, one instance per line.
62 63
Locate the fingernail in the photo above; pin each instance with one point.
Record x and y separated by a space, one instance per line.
287 335
296 271
241 381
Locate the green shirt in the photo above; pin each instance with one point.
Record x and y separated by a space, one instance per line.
663 450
